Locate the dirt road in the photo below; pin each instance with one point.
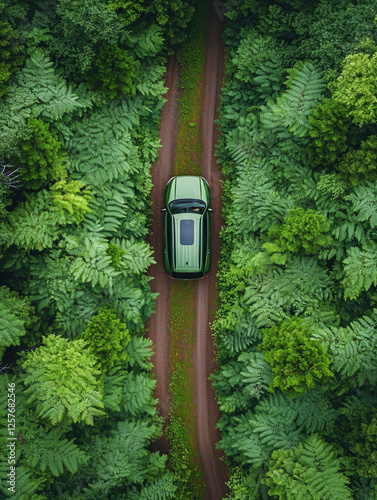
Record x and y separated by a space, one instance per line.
158 323
206 408
207 412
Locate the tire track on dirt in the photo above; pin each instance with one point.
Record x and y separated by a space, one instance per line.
206 407
158 323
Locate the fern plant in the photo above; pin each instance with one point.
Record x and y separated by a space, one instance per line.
140 352
73 197
289 116
258 62
113 72
47 92
328 126
360 270
46 449
106 337
35 224
308 471
302 231
359 165
120 456
351 349
297 361
42 157
12 54
16 315
138 395
61 380
364 204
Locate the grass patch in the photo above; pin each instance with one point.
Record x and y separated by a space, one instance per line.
182 317
191 64
186 471
181 431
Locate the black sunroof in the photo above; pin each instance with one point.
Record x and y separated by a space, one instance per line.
186 231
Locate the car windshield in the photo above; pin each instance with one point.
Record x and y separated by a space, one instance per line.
187 206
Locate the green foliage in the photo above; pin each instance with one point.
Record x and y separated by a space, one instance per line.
16 315
113 72
38 93
332 184
34 224
352 350
128 10
62 381
359 165
4 197
26 486
289 116
42 157
251 436
258 62
315 412
243 486
46 449
73 197
11 55
257 204
238 382
120 457
106 337
140 352
302 287
328 126
302 232
138 395
162 488
332 30
186 471
113 382
356 88
308 471
362 441
93 264
309 145
173 16
115 254
360 271
364 203
78 29
297 360
77 249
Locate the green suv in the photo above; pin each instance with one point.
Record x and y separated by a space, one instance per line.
187 227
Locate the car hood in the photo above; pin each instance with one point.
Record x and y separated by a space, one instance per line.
187 242
187 187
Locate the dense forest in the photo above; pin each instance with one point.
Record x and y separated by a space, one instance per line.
297 324
81 93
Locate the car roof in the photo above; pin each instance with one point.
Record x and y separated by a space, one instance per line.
186 241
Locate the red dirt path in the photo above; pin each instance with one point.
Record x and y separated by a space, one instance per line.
206 408
158 323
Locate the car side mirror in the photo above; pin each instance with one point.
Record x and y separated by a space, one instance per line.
210 210
163 210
